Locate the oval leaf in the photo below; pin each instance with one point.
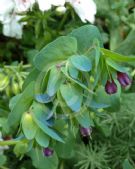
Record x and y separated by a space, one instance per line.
72 94
29 127
81 62
42 139
43 98
55 79
56 51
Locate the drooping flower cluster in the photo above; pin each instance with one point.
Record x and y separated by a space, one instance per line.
124 80
9 10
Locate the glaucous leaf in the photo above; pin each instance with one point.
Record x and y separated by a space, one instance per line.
42 162
29 127
55 52
42 139
72 94
54 82
43 98
85 36
81 62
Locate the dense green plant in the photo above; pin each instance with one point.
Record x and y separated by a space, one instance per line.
46 113
59 94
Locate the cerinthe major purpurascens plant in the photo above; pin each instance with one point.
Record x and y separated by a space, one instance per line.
72 77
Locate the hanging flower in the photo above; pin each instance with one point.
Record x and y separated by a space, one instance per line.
123 79
85 132
47 152
110 87
86 9
6 7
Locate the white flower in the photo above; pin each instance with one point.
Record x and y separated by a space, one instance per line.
13 28
6 6
86 9
45 5
23 5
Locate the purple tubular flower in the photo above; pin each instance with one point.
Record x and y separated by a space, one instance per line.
123 79
110 87
47 152
85 131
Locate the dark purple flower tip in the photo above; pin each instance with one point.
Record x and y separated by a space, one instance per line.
47 152
85 131
123 79
110 87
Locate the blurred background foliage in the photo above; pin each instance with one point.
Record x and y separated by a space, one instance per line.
112 143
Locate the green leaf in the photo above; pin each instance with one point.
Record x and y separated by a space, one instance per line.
72 94
22 105
127 47
81 62
85 36
20 148
29 127
42 139
116 66
2 160
66 150
42 162
73 71
39 115
4 81
55 79
127 165
55 52
43 98
31 77
116 56
97 52
64 71
83 118
113 101
13 101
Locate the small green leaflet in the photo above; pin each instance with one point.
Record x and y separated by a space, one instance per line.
54 82
81 62
39 114
29 127
72 94
42 139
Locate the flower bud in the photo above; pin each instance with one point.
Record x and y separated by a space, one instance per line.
47 152
123 79
110 87
85 131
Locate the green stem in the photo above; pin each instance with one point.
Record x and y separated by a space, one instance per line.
12 142
8 143
63 21
24 66
62 164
